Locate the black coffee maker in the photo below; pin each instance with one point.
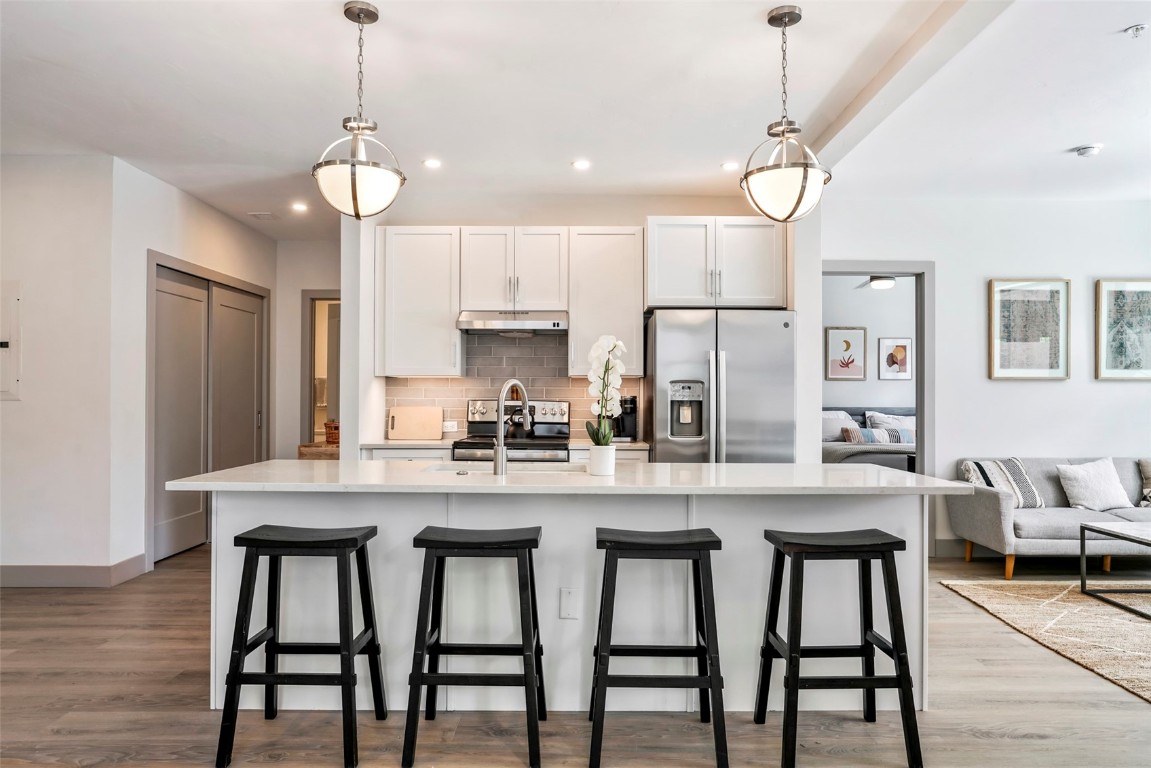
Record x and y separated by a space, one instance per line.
626 425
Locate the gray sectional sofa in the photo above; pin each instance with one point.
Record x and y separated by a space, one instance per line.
988 518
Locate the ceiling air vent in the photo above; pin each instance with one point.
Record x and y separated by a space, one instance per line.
262 215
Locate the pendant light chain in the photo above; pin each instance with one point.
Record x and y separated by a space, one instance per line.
360 74
783 78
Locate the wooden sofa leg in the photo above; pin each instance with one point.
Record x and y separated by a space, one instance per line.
968 549
1107 563
1009 568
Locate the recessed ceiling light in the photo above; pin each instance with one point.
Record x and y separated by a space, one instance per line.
1088 150
581 164
432 162
730 166
299 207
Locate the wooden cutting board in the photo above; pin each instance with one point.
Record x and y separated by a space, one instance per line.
415 422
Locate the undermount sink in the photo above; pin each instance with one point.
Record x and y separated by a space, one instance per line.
514 467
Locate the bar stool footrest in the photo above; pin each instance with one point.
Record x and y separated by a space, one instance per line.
469 678
827 682
659 681
359 645
477 649
658 651
290 678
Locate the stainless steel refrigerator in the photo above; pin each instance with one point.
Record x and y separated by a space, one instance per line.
721 385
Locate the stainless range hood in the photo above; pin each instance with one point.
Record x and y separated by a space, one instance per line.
513 323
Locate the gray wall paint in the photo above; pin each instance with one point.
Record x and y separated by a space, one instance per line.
884 314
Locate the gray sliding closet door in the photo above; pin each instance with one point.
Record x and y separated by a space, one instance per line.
236 393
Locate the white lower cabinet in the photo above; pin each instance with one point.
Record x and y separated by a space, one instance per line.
605 293
409 454
418 302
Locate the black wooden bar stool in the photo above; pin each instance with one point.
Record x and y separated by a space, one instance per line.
438 545
695 545
276 542
864 546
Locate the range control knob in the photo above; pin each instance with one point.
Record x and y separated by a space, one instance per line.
563 411
483 410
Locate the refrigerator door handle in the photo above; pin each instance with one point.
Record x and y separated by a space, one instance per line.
721 431
713 425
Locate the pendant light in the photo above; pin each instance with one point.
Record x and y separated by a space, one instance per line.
353 184
786 181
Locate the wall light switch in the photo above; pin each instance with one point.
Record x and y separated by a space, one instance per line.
569 603
450 426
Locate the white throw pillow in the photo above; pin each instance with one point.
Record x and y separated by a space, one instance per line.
833 429
837 415
877 420
1094 485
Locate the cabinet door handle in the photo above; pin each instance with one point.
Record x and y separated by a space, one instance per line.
509 289
719 283
454 353
517 289
571 354
710 282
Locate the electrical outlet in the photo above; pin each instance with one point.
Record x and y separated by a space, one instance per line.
569 603
450 426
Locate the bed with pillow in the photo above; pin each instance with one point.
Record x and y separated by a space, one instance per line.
883 435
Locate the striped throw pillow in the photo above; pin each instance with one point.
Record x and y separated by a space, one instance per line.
1145 470
857 435
1007 475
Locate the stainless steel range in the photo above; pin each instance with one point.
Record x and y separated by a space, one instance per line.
547 440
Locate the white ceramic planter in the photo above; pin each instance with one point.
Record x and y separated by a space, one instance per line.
601 460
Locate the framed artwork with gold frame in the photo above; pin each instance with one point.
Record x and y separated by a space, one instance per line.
1123 329
1027 328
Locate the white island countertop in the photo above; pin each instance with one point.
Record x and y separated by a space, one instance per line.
631 478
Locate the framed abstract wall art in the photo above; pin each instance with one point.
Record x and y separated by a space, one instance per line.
1123 329
1027 329
895 359
845 354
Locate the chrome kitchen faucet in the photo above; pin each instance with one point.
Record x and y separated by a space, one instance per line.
500 457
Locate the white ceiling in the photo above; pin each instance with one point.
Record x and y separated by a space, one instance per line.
234 101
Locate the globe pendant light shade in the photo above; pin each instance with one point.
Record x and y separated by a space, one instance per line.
784 179
354 185
789 184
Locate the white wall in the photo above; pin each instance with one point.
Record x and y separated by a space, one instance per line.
301 265
73 478
887 313
972 241
54 457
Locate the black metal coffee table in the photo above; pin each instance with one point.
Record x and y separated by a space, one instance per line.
1138 533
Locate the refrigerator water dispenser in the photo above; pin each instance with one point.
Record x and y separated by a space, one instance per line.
685 401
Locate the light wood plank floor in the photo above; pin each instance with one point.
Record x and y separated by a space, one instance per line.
120 676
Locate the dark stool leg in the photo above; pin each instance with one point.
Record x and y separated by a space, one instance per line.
347 659
701 641
719 726
531 673
236 660
866 626
436 630
368 611
603 645
902 666
416 680
270 648
541 695
791 669
595 649
768 653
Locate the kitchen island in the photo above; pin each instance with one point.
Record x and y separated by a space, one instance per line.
737 501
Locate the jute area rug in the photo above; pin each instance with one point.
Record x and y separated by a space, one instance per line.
1106 640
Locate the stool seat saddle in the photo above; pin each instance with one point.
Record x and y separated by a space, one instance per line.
867 540
693 539
286 536
435 537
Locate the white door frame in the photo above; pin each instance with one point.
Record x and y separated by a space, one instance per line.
924 274
307 355
158 259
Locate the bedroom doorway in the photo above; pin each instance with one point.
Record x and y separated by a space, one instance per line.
887 308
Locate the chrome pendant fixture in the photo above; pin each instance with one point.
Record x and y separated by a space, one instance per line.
353 184
783 178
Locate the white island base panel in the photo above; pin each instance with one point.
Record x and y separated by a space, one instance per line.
652 603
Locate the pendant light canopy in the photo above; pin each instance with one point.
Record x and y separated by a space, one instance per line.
783 179
351 182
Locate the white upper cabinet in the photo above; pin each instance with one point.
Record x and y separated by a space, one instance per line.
418 301
707 261
606 294
520 268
